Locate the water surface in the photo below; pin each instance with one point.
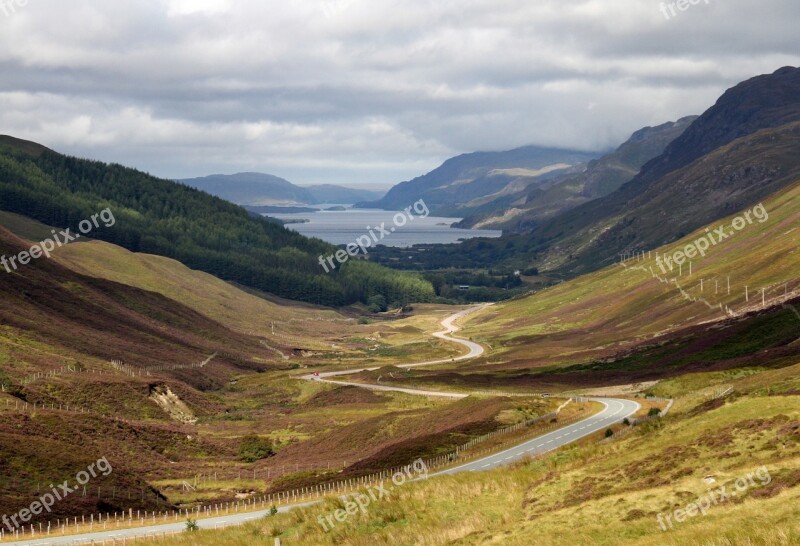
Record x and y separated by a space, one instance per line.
343 227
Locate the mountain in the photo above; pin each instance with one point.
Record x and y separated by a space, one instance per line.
468 181
524 210
206 233
762 102
734 177
266 189
739 151
251 189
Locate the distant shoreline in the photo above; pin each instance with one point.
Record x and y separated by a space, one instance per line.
271 209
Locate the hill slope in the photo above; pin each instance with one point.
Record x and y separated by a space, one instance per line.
688 186
162 217
105 320
600 314
764 103
251 189
524 210
464 182
260 189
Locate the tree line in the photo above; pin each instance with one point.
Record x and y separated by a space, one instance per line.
162 217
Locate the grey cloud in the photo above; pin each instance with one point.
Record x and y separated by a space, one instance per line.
366 90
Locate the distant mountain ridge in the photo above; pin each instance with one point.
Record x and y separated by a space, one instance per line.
751 126
740 151
523 210
464 183
257 189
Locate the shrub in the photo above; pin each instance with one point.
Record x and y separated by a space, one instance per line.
609 433
254 448
654 412
377 304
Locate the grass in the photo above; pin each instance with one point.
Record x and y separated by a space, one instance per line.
603 313
591 494
296 329
85 319
585 328
204 491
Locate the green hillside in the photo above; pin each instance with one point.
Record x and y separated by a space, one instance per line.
161 217
597 493
524 210
604 313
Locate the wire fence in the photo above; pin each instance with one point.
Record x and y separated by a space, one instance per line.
731 297
131 518
117 365
135 371
22 406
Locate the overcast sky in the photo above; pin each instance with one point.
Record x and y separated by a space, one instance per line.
366 91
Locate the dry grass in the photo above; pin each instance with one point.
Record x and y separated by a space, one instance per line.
595 494
606 312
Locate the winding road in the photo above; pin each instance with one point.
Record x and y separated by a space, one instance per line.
614 411
475 350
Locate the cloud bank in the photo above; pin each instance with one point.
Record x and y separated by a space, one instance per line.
366 91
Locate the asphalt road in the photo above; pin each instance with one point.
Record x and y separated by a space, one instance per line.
157 530
474 350
615 411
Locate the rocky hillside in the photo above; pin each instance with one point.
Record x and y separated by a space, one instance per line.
465 183
522 211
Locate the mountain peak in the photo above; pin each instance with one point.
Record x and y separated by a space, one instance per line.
762 102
